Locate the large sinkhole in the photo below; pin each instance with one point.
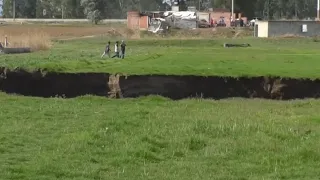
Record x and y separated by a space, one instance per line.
71 85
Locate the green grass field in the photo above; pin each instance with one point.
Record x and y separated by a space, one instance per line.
89 137
155 138
275 57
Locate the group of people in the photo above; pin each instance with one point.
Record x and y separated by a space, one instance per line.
118 54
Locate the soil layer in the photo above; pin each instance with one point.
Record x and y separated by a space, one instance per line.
71 85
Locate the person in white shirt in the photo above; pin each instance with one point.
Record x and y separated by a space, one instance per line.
116 50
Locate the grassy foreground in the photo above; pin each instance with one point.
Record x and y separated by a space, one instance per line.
154 138
275 57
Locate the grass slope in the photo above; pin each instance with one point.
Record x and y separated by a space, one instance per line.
154 138
275 57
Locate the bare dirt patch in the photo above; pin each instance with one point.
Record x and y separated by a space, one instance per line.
202 33
65 32
61 31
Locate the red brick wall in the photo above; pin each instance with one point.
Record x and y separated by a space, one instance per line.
133 19
144 22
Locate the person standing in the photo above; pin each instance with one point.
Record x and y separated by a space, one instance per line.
116 50
107 50
123 49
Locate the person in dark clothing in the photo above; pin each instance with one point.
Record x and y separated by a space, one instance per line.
1 48
241 22
116 50
123 49
107 50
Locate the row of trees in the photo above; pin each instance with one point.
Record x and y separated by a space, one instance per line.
96 9
269 9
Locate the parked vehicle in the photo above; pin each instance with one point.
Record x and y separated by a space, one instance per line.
203 24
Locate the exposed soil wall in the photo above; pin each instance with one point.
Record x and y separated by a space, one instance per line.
175 87
53 84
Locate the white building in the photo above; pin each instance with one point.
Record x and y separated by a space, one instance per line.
287 28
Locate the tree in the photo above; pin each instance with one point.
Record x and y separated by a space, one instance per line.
23 8
7 8
26 8
91 10
1 7
248 7
75 8
46 9
98 9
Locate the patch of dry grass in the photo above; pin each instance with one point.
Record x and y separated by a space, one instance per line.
66 32
288 35
36 40
60 32
202 33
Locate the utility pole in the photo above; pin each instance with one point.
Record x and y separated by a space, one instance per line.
296 9
232 9
318 10
14 9
199 5
62 11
